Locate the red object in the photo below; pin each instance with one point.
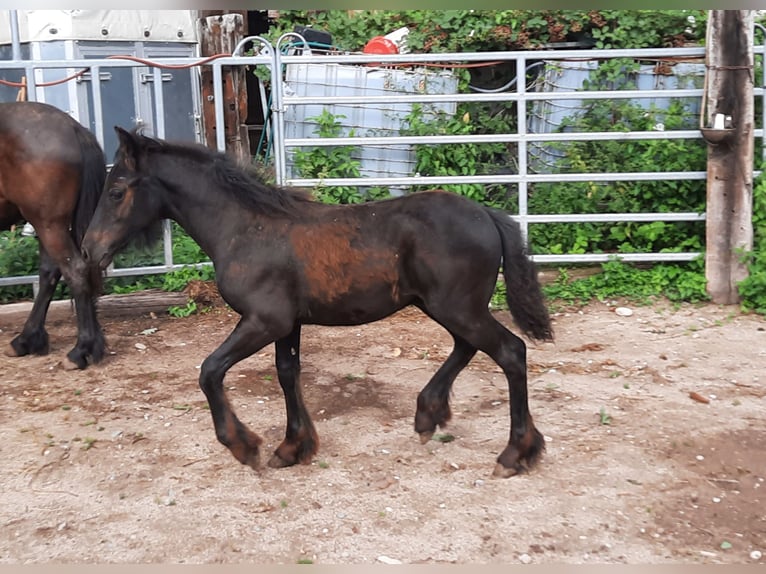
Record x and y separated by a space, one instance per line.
380 45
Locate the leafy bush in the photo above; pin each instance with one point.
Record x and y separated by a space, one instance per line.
19 255
463 159
333 162
619 279
485 30
753 288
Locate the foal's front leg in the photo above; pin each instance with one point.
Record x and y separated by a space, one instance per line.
433 401
246 339
301 441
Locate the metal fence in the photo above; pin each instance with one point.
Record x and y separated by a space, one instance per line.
277 57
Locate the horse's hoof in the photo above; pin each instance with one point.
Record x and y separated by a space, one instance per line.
505 472
276 462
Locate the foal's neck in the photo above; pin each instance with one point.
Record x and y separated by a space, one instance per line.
204 211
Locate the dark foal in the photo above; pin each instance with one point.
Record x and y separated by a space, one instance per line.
52 173
282 260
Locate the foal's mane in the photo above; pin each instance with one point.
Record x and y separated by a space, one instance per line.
244 183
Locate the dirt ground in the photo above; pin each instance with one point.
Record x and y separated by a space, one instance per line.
119 463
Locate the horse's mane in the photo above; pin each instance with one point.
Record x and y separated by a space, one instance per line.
245 183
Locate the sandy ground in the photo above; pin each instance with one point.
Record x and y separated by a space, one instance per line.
119 463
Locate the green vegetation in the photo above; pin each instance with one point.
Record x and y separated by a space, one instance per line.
753 288
484 30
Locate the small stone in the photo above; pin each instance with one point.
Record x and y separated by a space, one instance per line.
755 555
387 560
140 346
525 558
623 311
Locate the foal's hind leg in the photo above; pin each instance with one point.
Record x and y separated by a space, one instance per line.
482 330
433 401
33 339
301 441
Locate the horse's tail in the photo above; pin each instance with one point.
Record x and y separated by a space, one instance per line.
92 180
523 293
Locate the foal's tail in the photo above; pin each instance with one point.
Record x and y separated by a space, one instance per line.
523 293
92 180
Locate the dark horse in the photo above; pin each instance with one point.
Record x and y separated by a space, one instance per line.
283 260
52 172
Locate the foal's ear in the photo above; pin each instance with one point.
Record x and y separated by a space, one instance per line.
128 147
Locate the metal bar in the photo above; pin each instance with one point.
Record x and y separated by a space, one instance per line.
220 127
278 116
98 105
604 257
763 83
494 138
501 178
522 154
492 97
118 63
159 104
15 37
29 74
614 217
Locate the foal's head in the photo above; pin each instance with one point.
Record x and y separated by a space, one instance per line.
129 208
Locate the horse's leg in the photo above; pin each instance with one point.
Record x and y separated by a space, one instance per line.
33 339
301 441
77 274
90 338
247 338
481 330
433 401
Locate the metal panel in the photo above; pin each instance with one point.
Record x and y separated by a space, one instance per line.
179 92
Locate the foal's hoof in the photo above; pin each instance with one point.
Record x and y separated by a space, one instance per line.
69 365
425 436
76 359
10 351
253 460
505 472
276 462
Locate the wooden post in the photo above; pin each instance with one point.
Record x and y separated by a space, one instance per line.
729 89
220 34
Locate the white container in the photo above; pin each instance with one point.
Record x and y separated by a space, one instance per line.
399 37
364 119
547 116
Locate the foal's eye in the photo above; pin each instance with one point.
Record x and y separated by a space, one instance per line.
117 193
